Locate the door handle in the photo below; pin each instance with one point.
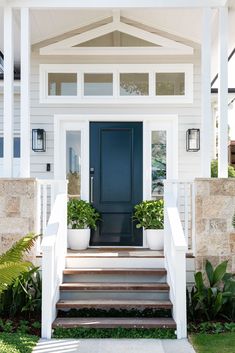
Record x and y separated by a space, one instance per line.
92 189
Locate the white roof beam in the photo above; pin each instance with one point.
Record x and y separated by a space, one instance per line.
112 4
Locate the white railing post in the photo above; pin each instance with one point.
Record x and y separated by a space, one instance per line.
47 288
8 104
180 293
54 247
175 248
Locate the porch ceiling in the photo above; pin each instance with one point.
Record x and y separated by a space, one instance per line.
50 23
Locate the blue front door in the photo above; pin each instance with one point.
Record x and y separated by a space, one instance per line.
116 181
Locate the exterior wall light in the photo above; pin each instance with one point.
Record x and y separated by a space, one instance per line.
193 140
38 140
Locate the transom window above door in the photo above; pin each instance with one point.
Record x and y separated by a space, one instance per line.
116 83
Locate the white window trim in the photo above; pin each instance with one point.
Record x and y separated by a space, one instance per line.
63 123
116 69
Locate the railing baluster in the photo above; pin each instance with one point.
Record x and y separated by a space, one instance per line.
44 208
193 217
186 213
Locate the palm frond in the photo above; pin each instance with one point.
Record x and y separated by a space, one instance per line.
16 252
9 271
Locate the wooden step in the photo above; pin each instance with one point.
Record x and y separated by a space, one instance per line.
115 253
116 304
114 322
125 271
97 286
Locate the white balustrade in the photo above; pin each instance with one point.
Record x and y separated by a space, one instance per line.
175 248
53 246
183 191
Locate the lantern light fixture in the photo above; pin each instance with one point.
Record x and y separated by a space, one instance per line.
193 140
38 140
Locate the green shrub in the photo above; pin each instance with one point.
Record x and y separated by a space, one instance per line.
215 299
214 170
82 215
150 214
23 296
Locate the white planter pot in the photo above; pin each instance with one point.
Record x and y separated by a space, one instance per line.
78 239
155 239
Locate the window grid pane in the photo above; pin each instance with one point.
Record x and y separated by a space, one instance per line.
73 163
170 83
62 84
134 84
158 162
98 84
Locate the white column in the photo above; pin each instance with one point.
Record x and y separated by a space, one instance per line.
8 93
25 95
223 94
206 119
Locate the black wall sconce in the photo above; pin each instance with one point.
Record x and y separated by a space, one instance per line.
38 140
193 140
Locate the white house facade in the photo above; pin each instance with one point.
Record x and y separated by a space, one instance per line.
115 98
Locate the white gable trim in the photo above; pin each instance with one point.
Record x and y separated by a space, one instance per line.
166 45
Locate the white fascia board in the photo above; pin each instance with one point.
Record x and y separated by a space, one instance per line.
112 4
118 51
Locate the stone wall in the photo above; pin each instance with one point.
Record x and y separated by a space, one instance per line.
215 236
17 211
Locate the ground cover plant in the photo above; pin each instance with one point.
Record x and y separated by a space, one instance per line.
216 343
114 333
17 343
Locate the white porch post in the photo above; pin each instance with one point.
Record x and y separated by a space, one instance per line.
223 94
8 93
25 95
206 119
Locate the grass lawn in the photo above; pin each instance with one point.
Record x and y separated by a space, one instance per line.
17 343
216 343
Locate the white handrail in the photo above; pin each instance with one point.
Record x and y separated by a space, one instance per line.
175 248
54 248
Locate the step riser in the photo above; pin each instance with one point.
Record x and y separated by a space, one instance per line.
73 295
114 323
114 262
112 278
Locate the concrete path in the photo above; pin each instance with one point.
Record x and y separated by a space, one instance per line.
113 346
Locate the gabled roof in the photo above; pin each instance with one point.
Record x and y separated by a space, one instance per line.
88 41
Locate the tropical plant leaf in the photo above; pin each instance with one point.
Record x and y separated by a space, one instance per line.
16 252
219 272
209 271
199 281
218 304
10 271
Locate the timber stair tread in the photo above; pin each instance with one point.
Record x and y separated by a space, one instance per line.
144 271
114 286
113 303
114 322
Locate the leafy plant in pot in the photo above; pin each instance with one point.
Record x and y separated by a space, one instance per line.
82 217
150 216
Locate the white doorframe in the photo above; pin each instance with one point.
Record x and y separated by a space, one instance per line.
63 123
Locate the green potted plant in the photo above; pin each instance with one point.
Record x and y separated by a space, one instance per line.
82 217
150 216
